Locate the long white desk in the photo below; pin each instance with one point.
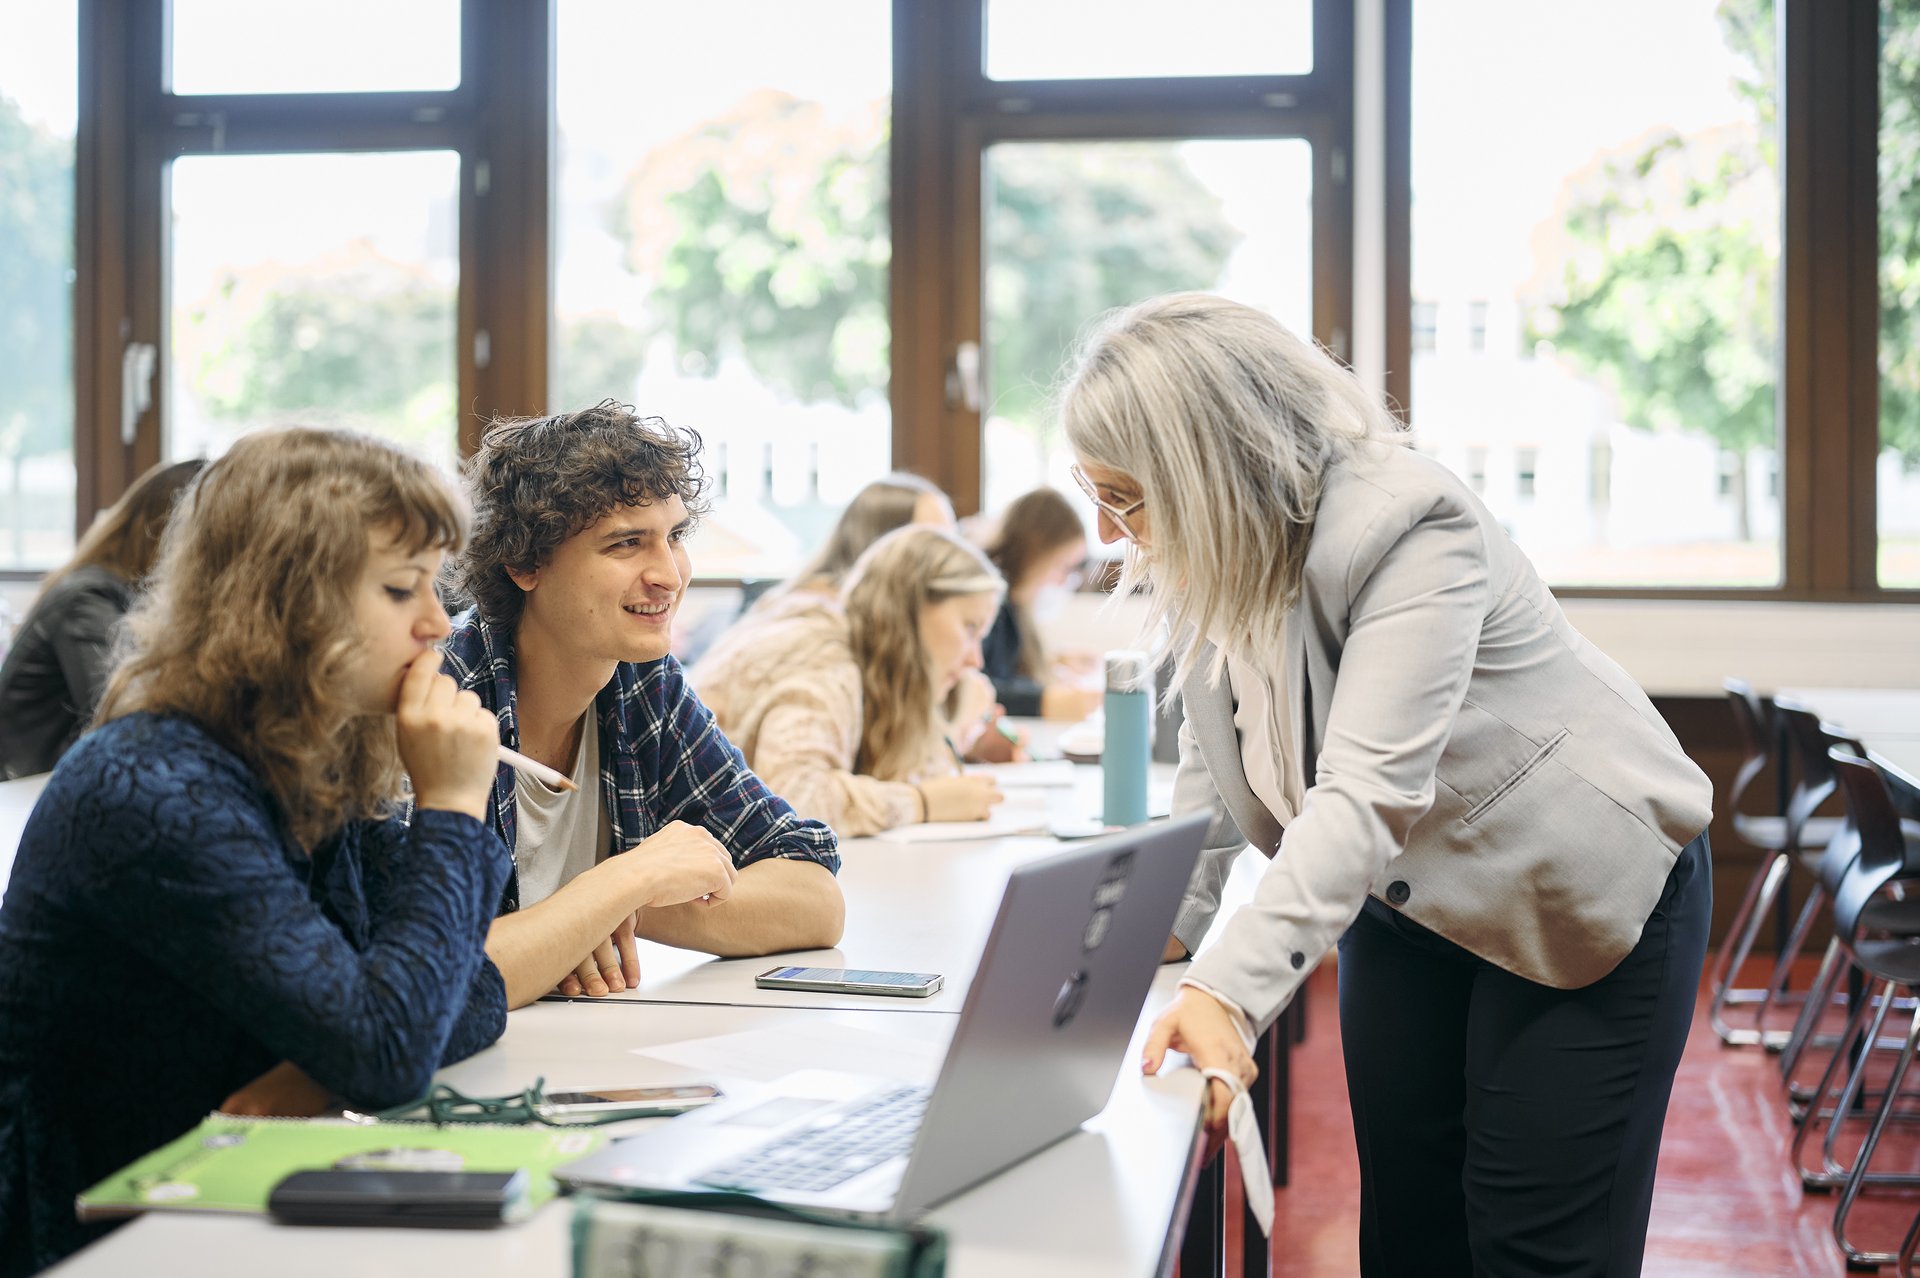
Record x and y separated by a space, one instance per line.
1111 1199
17 798
919 907
1886 720
1097 1203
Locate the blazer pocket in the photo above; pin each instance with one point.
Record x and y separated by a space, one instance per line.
1508 786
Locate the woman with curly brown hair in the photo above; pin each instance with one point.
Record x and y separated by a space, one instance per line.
843 706
230 828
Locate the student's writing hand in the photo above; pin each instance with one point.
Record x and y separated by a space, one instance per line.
284 1091
1197 1024
613 966
682 863
998 742
962 798
448 741
972 703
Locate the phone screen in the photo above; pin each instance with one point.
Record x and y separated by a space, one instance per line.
851 976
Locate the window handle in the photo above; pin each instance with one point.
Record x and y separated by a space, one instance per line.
963 377
136 386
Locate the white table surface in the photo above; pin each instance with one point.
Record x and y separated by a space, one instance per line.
917 907
1096 1203
1886 720
1100 1202
16 803
1872 714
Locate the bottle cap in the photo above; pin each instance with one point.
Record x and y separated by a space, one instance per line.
1129 670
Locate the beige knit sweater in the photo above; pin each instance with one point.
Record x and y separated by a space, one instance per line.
785 688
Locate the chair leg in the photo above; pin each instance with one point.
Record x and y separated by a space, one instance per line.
1908 1246
1850 1094
1777 980
1769 887
1808 1022
1824 1179
1720 975
1858 1176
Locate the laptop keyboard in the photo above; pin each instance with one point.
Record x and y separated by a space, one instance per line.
832 1149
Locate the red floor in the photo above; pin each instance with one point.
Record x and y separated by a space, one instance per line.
1726 1202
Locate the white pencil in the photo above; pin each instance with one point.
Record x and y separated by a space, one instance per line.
533 767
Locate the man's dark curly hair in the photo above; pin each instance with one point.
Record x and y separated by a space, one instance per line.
536 481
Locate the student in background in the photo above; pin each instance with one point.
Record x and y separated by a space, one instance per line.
577 565
847 708
228 834
57 667
1039 546
890 502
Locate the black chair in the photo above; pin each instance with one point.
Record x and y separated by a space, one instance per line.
1812 740
1782 837
1878 926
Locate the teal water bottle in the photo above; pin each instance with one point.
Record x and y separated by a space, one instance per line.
1129 745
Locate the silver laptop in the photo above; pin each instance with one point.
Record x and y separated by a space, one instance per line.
1040 1042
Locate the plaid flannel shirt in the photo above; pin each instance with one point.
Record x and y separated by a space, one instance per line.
662 759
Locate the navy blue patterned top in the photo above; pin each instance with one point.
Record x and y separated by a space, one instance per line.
164 942
662 759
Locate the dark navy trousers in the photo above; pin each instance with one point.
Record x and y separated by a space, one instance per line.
1506 1128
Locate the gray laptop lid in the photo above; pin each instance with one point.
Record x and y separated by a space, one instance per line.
1059 989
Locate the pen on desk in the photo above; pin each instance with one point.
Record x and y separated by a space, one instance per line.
534 768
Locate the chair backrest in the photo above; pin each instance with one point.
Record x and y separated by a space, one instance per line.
1883 849
1751 717
1843 849
1812 740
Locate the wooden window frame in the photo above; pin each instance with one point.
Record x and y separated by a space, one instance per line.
945 110
1829 289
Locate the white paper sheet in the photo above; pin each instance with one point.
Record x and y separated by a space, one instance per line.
1007 821
1054 774
816 1043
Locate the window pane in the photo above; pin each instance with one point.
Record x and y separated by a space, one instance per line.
315 46
314 290
1594 280
1129 39
722 247
1899 469
39 70
1074 229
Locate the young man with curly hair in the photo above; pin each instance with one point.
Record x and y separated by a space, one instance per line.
577 564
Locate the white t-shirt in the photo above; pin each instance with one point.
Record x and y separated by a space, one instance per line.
560 834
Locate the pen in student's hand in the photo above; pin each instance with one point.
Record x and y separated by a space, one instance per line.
536 769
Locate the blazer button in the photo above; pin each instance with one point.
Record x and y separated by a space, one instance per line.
1299 960
1398 892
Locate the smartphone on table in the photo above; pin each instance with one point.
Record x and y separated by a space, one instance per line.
851 980
627 1102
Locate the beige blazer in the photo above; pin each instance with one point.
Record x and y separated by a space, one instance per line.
1470 758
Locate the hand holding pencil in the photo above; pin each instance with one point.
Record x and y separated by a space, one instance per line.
448 741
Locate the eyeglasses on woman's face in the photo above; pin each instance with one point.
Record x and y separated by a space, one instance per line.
1118 514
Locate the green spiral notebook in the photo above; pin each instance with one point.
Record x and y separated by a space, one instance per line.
232 1164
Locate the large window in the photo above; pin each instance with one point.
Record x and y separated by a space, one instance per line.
722 248
314 290
1595 249
1898 468
313 46
38 108
1123 39
1074 229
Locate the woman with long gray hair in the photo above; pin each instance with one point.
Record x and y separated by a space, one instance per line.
1479 808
